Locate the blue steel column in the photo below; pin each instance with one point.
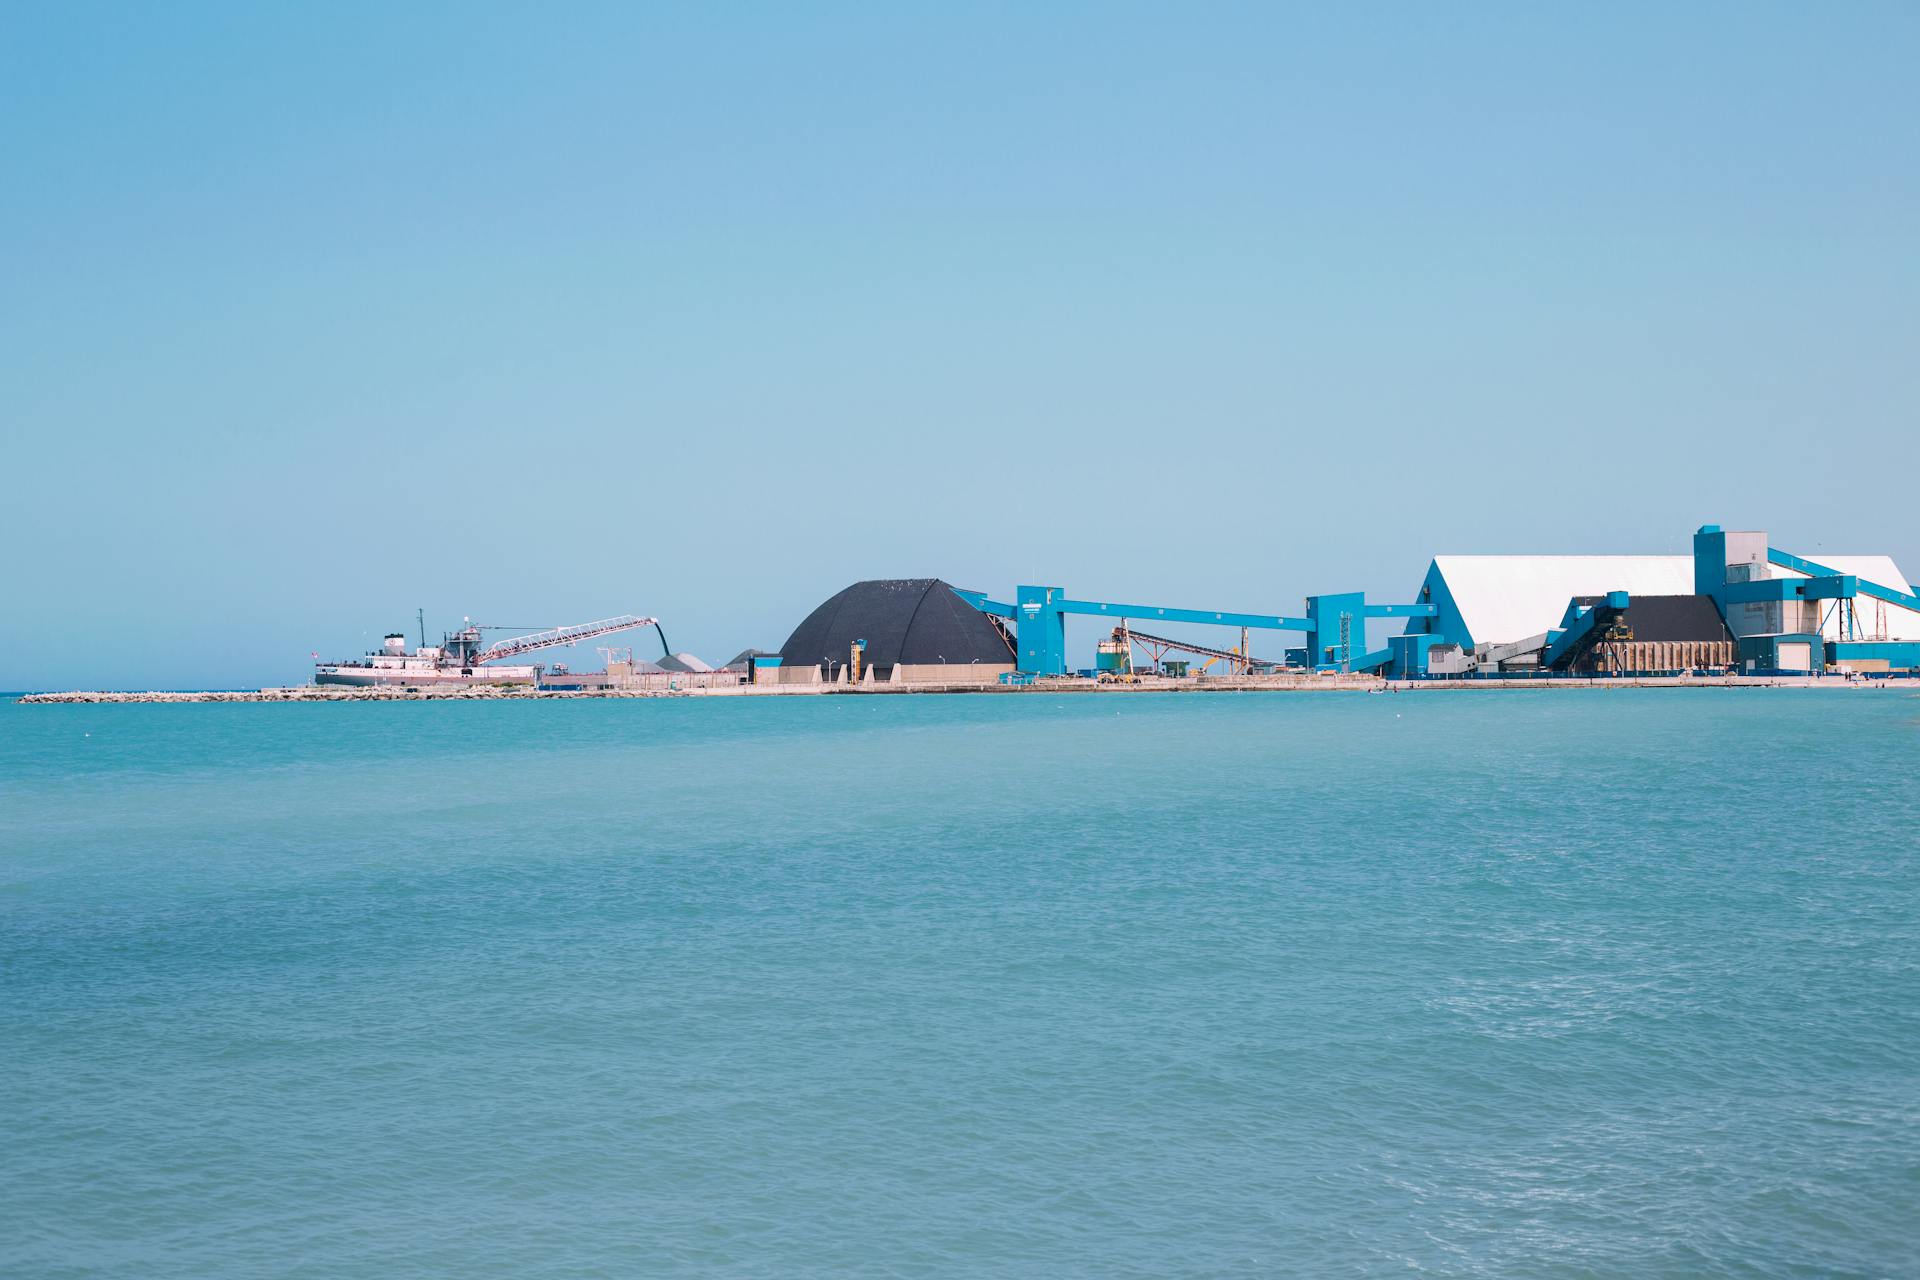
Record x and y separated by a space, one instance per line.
1710 562
1040 630
1339 629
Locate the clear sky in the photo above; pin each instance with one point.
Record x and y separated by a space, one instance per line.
312 315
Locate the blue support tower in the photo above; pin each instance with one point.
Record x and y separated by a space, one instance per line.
1709 561
1339 633
1041 628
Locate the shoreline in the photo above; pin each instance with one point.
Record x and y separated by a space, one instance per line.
1254 684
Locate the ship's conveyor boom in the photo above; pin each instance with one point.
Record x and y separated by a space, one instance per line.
562 636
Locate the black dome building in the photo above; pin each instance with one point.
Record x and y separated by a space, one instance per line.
907 623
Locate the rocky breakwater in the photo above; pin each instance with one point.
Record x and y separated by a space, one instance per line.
313 693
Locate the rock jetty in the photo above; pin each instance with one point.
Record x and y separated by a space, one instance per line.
311 693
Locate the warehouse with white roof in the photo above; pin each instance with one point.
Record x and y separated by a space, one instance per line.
1770 609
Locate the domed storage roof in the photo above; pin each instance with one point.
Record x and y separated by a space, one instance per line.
910 620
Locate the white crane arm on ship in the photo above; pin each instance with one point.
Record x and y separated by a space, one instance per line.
560 636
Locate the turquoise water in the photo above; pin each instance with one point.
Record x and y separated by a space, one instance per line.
1513 983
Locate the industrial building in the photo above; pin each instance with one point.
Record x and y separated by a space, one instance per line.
899 630
1737 603
923 630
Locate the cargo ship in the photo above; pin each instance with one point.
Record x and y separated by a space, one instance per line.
463 658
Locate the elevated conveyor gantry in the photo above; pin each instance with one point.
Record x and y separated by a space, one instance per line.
1335 625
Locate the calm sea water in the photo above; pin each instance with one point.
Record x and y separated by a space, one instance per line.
1515 984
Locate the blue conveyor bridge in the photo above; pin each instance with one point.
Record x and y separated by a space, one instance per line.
1585 627
1334 625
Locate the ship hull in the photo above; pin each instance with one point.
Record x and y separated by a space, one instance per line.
452 677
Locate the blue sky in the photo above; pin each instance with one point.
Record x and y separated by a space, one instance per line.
313 315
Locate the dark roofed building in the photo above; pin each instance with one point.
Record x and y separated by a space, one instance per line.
915 628
1669 633
1667 619
744 660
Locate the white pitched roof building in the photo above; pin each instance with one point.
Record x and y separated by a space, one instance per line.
1499 599
1493 600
